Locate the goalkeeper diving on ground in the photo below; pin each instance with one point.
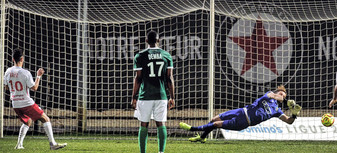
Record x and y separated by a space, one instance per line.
263 108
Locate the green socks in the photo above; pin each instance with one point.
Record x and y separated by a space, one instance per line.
162 136
142 139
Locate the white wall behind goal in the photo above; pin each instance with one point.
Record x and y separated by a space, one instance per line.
304 128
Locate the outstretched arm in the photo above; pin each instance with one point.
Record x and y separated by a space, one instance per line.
170 85
36 85
136 85
275 96
40 72
334 99
289 120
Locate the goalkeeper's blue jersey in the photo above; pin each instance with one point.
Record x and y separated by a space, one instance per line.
263 109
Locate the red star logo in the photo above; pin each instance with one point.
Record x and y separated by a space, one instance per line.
259 48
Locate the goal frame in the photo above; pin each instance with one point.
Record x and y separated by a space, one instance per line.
2 58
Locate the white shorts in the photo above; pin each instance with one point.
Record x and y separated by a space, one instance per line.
151 109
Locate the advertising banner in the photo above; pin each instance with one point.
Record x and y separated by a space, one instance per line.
304 128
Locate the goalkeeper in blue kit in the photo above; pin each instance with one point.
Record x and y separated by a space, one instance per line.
261 110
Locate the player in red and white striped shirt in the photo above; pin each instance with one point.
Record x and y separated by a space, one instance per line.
19 81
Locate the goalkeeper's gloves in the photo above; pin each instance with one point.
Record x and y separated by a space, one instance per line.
294 108
291 103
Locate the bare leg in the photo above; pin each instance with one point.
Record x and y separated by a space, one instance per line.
44 118
159 124
215 118
144 124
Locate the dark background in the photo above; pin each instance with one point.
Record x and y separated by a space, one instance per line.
51 44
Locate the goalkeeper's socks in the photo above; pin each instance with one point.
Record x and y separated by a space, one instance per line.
206 127
23 131
142 139
162 136
49 131
204 135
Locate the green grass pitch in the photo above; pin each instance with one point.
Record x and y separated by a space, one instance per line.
33 145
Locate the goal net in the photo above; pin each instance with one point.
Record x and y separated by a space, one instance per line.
260 45
87 50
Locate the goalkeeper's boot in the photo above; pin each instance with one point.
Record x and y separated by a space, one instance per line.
58 146
197 138
18 146
185 126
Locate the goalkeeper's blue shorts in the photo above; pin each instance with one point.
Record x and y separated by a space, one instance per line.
234 119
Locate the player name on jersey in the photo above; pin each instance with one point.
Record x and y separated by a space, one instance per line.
154 56
14 75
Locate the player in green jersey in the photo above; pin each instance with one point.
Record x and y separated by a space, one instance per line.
154 69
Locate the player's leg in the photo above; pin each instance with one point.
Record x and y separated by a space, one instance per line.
22 134
228 115
212 125
142 136
209 126
143 113
206 127
48 129
216 118
237 123
160 116
232 124
27 122
230 120
49 132
162 136
216 124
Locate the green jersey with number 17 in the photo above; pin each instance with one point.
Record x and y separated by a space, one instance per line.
153 62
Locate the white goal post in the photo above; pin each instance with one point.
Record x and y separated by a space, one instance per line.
2 63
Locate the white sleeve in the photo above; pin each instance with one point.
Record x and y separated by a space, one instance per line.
29 80
6 78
